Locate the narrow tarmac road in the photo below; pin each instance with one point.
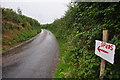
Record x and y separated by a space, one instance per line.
37 59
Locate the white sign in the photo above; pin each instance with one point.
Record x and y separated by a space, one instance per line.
105 51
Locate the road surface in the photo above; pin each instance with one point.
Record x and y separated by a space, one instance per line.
36 59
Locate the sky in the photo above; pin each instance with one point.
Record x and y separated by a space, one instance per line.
45 11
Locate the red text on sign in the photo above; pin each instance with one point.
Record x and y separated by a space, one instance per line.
106 46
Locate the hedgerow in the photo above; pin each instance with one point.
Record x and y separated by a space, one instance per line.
77 31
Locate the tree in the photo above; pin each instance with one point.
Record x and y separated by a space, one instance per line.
19 11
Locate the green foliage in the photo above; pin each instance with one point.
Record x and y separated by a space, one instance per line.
17 28
10 15
24 35
77 31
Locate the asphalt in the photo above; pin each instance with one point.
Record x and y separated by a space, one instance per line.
37 59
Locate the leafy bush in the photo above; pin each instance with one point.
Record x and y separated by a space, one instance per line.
82 24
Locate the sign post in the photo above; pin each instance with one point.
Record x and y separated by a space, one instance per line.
106 51
102 66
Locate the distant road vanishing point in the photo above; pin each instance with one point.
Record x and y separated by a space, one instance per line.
37 59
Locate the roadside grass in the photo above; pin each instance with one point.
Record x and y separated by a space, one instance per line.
17 28
64 67
16 36
61 67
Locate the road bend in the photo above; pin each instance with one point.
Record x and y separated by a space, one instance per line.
37 59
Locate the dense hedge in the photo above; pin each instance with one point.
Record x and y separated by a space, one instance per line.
82 24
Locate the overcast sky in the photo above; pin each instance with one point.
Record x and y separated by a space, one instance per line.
45 11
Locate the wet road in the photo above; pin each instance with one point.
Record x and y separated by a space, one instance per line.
37 59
